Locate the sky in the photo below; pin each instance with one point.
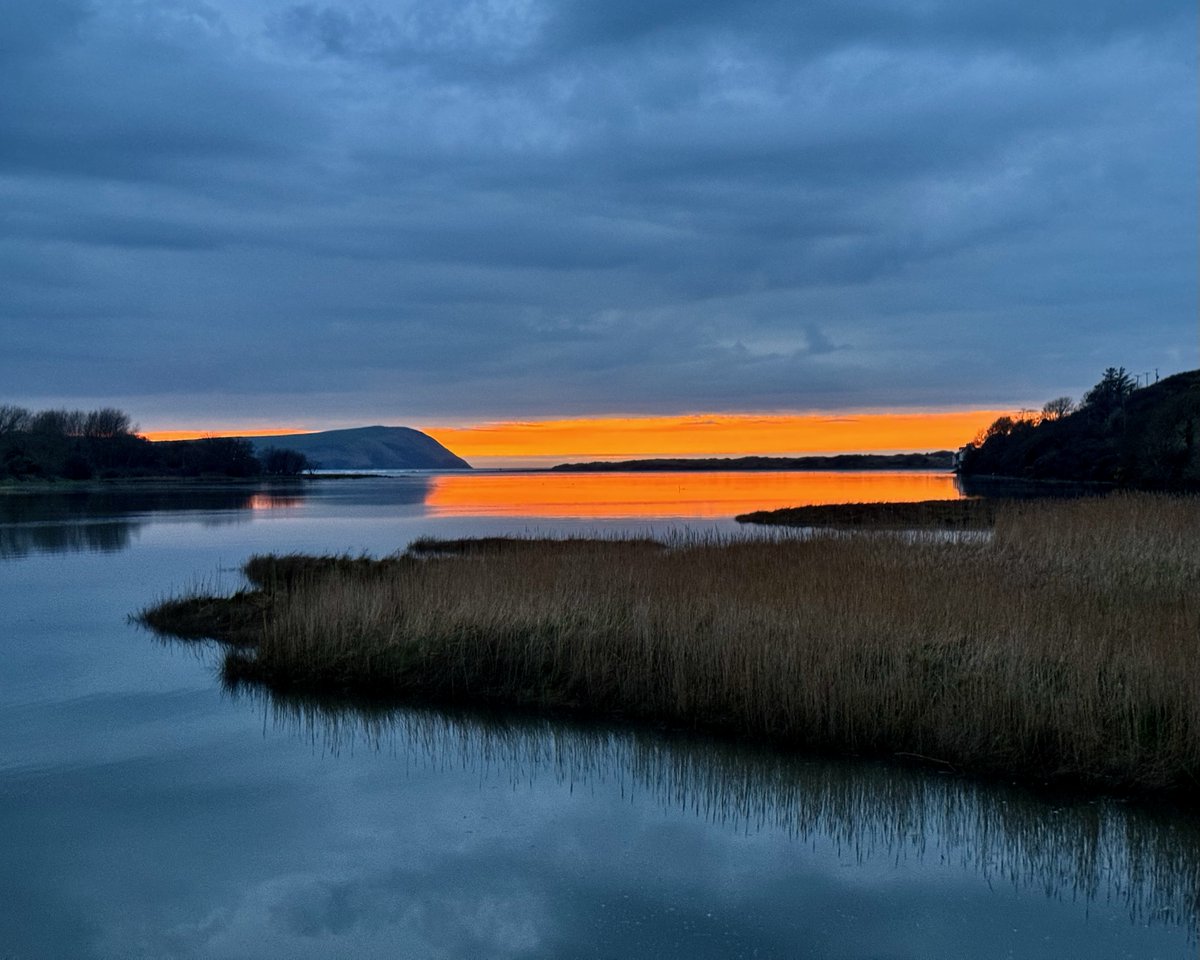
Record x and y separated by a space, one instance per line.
237 215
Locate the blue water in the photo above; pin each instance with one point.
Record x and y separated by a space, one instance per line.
145 812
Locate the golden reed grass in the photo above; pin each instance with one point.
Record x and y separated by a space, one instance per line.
1063 647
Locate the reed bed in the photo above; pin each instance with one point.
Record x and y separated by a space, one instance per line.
1063 648
967 514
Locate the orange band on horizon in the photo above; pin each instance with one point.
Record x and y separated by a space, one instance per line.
159 435
717 435
685 435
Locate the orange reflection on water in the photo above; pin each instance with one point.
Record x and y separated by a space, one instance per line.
272 501
684 494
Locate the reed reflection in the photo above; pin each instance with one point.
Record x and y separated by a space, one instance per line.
96 537
684 494
1096 852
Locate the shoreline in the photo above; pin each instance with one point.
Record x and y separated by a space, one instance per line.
939 461
180 483
946 515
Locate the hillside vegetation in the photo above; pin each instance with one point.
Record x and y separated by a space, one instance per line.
104 444
1148 437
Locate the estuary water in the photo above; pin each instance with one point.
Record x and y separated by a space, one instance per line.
145 812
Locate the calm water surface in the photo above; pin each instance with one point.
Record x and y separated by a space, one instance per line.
147 813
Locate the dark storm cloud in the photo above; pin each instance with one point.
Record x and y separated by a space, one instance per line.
151 95
347 212
830 22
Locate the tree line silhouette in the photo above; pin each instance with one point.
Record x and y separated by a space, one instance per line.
1118 433
105 444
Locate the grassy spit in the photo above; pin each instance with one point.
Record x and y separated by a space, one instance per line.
973 514
1061 649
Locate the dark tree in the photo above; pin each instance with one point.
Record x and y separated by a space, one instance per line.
13 419
106 423
77 467
284 463
1001 427
1058 408
228 456
52 423
1110 394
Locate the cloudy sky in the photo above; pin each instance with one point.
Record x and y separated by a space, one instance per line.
228 212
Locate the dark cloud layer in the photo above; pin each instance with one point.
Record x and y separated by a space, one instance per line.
364 211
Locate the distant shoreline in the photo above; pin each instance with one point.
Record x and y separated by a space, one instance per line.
936 460
848 463
59 485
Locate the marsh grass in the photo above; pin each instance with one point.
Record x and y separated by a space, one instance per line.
1060 649
434 546
966 514
238 620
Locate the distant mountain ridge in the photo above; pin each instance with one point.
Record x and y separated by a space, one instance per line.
367 448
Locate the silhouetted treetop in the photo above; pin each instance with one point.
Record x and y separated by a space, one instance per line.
13 419
284 463
1058 408
107 422
1110 394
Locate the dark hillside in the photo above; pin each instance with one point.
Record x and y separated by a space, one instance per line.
367 448
1148 437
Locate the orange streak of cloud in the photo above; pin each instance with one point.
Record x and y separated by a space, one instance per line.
717 435
231 432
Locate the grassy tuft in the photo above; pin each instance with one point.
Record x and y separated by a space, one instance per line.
238 620
435 546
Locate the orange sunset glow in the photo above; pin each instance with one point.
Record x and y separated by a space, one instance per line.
715 435
157 435
685 435
666 495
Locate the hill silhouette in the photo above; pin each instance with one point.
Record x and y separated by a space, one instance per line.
367 448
